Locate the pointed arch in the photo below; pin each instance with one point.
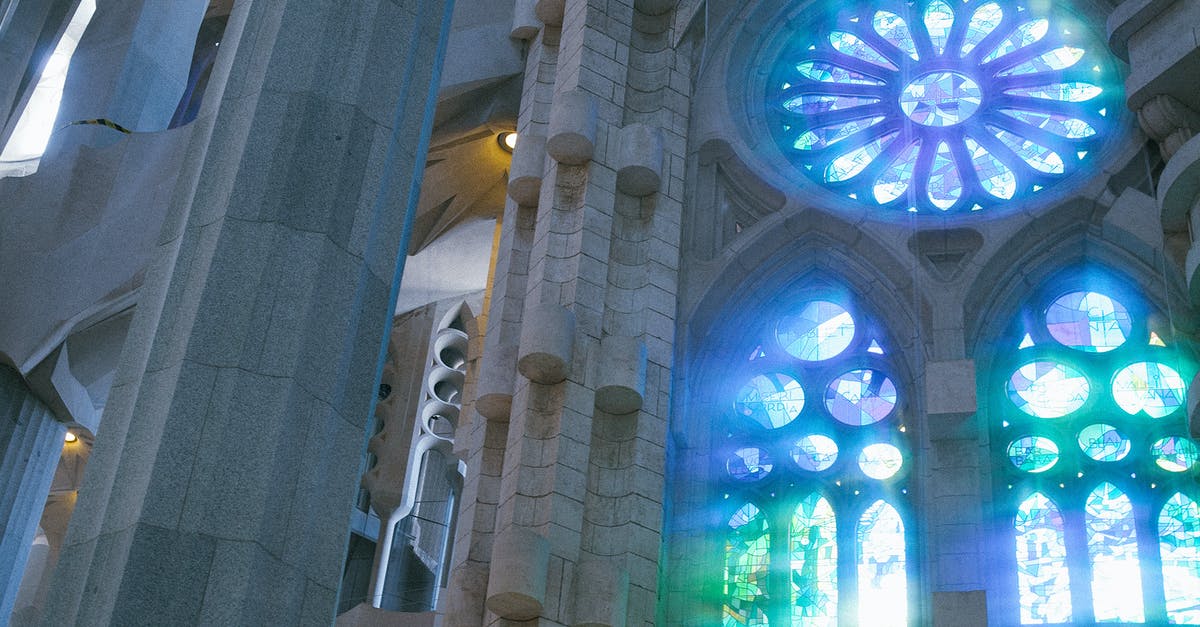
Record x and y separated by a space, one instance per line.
1179 545
1113 551
882 580
747 560
1042 576
813 550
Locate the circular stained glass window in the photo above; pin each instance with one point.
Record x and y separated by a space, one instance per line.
771 400
1175 454
749 464
880 461
815 452
860 397
941 106
1048 390
1150 387
819 331
1033 453
1103 443
1088 321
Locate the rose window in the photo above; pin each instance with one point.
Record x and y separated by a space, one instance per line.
941 106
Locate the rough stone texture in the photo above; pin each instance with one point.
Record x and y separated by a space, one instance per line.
517 586
960 609
639 160
620 375
547 337
525 175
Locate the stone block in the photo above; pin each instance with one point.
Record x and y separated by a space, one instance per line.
517 585
950 398
525 24
547 337
572 130
654 7
525 172
620 374
601 594
960 609
639 160
550 11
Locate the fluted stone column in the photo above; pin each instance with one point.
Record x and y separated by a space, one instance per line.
27 30
220 488
31 440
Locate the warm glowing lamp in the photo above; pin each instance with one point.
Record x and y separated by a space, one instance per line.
508 140
70 437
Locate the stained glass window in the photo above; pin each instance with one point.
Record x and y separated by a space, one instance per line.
809 466
1089 434
941 106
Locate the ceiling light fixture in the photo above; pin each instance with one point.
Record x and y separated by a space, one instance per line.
507 140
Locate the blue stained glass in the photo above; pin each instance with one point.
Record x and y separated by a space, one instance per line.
1150 387
1088 321
749 464
860 397
880 461
1175 454
985 20
1064 92
850 164
940 98
1179 545
897 177
895 30
827 135
1103 443
815 453
1036 155
747 566
851 45
995 177
1061 125
1026 34
818 103
1058 59
820 330
1033 453
1112 546
1048 390
814 564
771 400
939 20
882 578
829 73
1043 581
945 182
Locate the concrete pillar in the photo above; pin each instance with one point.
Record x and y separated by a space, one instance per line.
517 587
31 440
620 374
639 160
28 31
601 594
220 488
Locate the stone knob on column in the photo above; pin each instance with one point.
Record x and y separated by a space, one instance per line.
601 594
525 23
494 390
639 160
525 171
547 337
517 586
550 11
654 7
572 137
620 375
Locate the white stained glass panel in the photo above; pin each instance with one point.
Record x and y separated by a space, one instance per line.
818 331
882 578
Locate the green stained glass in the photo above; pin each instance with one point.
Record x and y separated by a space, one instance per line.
825 72
1088 321
945 182
1103 443
1064 92
1061 125
1043 581
860 397
1033 453
1179 545
848 165
880 461
1036 155
819 331
995 177
827 135
1112 546
897 177
771 400
1175 454
747 561
895 31
985 20
818 103
1048 390
851 45
814 564
882 577
1026 34
815 452
1150 387
939 20
1060 58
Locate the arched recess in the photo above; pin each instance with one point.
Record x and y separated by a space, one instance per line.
793 262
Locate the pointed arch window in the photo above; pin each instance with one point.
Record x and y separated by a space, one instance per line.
813 461
1090 435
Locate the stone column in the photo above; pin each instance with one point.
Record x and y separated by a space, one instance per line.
220 488
31 440
28 31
